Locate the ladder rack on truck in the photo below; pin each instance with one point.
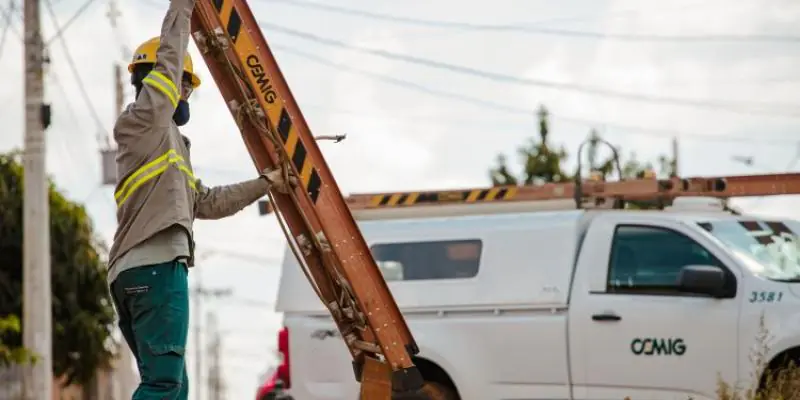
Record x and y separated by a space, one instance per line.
314 215
588 194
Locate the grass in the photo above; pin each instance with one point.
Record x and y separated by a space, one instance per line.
779 383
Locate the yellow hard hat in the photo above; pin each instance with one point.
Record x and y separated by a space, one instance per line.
146 53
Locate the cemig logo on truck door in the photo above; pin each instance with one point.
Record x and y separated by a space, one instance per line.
658 346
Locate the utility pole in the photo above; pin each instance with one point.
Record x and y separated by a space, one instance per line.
675 156
200 292
216 386
119 95
108 154
198 348
37 303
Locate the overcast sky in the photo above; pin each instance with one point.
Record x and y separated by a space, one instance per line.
729 88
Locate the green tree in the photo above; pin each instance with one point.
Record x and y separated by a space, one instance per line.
632 168
607 166
9 355
82 310
541 162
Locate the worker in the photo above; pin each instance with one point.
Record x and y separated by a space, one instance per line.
158 198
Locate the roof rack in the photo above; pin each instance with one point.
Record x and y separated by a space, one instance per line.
594 193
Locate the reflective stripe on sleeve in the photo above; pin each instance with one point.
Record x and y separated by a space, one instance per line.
152 170
164 85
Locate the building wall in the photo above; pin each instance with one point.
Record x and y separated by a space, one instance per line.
11 383
102 388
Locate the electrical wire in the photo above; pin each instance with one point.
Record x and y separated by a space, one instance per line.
791 110
8 25
788 110
72 114
69 22
527 29
76 75
246 302
498 106
3 35
663 133
789 166
254 258
795 158
119 32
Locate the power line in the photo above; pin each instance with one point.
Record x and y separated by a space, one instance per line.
75 73
244 256
498 124
8 25
112 14
243 301
666 133
794 160
78 13
72 115
527 29
789 166
789 110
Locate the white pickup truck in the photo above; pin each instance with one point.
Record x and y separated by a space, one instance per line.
566 304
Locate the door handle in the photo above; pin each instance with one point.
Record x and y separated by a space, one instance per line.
608 316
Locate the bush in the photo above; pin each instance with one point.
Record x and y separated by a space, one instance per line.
10 355
780 382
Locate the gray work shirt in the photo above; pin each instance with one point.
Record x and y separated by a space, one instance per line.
168 245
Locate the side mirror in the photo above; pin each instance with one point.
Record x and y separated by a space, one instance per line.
702 279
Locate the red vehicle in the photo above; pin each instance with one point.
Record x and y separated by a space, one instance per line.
276 385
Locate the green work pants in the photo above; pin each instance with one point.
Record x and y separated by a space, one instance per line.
153 306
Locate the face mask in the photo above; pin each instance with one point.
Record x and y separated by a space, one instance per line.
181 115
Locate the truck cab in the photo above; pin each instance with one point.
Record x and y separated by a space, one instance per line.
569 304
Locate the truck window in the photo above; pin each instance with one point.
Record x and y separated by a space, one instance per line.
649 259
768 248
410 261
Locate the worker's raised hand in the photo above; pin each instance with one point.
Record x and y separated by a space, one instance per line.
275 178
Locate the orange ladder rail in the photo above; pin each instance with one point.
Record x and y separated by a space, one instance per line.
315 218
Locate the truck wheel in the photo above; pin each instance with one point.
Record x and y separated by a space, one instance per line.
437 391
431 391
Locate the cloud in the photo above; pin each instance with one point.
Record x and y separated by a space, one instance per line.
400 138
376 155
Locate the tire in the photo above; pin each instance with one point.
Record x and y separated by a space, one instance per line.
431 391
437 391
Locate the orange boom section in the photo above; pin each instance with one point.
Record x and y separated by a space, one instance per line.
593 191
314 216
583 194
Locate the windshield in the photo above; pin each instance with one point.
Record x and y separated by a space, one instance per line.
769 248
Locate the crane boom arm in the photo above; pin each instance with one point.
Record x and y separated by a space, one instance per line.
316 220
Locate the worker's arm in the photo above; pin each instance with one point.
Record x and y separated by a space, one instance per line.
223 201
161 88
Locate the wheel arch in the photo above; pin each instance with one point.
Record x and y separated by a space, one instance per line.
780 360
432 371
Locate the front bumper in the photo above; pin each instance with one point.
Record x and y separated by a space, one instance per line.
273 390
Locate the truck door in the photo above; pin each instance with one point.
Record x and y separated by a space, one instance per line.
634 333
